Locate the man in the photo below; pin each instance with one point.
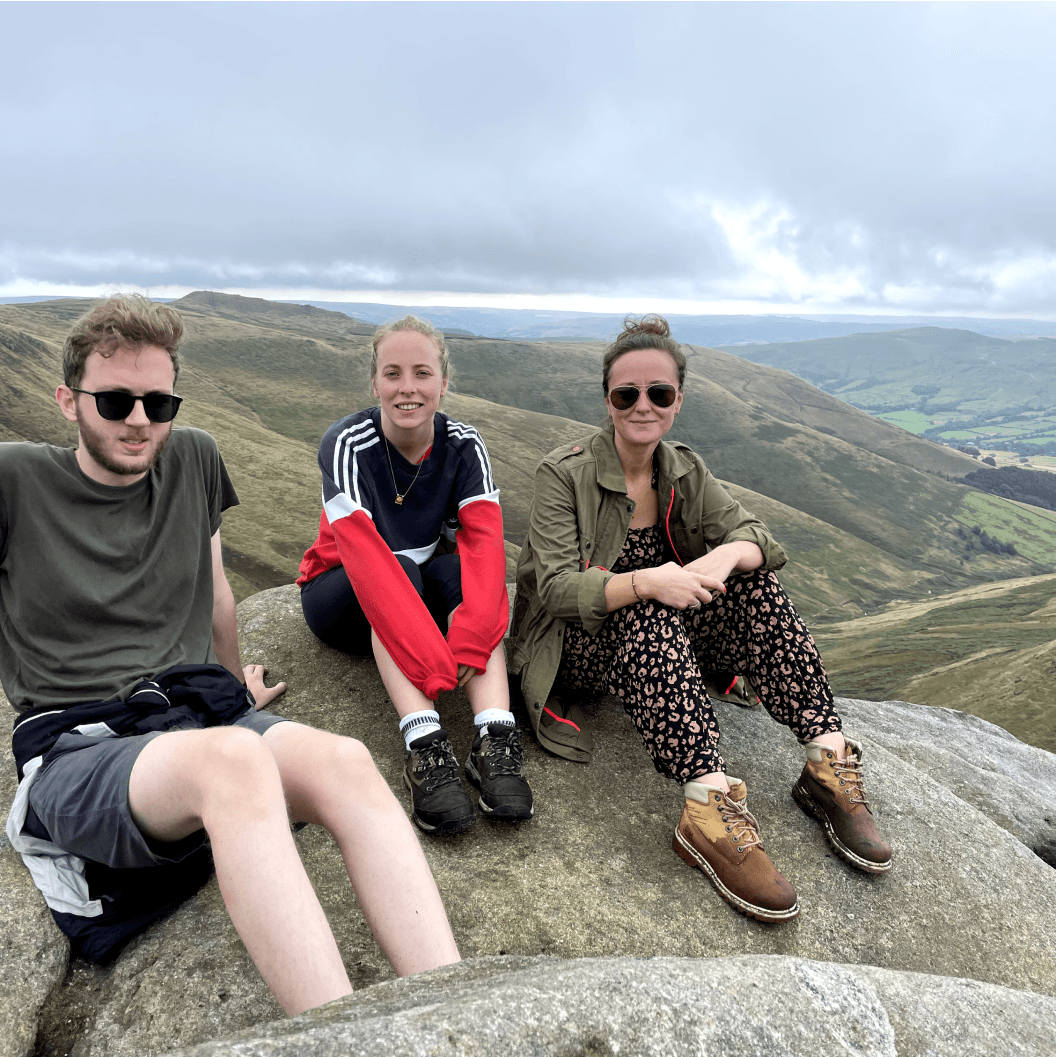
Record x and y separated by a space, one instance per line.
132 742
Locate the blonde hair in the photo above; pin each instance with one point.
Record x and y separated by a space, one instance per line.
422 326
122 321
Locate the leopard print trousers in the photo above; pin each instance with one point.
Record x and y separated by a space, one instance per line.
649 656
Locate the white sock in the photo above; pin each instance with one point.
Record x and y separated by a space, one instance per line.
418 724
501 717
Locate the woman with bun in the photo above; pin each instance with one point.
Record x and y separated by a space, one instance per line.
410 565
639 568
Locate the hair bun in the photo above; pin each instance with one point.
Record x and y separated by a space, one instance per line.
650 324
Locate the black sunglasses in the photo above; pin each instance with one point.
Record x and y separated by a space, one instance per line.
116 406
624 397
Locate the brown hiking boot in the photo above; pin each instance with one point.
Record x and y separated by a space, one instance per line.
719 834
831 790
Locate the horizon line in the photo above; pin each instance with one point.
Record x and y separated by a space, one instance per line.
566 303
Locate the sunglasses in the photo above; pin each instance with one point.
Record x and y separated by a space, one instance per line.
116 406
624 397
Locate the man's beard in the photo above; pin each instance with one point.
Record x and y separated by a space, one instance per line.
94 442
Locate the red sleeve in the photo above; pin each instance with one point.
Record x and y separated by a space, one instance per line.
480 622
393 607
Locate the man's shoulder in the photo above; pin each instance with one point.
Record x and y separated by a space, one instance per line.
22 453
188 438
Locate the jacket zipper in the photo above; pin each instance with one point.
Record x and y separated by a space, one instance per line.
667 527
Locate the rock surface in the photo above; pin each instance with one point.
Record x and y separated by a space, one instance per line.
593 874
33 953
667 1007
1007 780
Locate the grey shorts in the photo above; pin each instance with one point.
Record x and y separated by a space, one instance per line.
79 799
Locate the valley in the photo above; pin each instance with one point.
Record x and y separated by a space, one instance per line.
877 528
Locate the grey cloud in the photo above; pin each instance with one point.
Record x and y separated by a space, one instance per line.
532 147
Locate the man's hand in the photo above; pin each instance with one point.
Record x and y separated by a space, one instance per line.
262 695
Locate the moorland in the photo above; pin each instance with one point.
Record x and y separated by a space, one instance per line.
945 384
884 564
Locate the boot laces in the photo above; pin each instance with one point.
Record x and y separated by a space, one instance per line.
504 752
849 770
437 764
744 829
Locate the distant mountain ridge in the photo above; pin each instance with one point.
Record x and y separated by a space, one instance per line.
527 324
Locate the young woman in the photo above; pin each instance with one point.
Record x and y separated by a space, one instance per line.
638 563
410 564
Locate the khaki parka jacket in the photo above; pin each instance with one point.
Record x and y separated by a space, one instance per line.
579 521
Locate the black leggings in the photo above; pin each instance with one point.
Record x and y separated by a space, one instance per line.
649 656
335 616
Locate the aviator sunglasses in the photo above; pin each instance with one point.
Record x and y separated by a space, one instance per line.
624 397
116 406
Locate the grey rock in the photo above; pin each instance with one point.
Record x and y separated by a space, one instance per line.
1007 780
593 874
664 1007
33 953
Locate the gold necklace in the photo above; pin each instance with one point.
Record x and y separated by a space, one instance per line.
401 498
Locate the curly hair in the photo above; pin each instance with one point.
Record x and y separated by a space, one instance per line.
649 332
124 321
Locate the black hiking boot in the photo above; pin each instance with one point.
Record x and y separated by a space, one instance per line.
439 803
494 767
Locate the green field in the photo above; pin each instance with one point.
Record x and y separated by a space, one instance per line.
1033 531
914 421
940 383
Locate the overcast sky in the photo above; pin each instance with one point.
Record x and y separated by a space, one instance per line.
839 157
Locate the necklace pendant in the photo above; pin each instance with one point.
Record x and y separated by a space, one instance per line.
399 499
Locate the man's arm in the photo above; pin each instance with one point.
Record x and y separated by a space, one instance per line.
225 635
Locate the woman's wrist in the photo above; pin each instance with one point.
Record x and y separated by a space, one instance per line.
634 587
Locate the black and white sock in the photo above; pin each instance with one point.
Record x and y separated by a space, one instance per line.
495 717
418 724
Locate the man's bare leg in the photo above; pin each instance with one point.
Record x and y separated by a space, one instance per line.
225 780
332 781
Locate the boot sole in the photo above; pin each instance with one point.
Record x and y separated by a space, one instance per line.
811 807
447 828
501 813
690 855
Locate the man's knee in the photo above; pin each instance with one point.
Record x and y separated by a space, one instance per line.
235 762
348 760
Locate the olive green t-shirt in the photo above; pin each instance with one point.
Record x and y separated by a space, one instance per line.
102 586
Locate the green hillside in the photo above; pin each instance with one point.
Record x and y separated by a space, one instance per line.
988 650
777 435
933 381
872 524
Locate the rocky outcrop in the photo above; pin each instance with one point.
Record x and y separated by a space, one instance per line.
1010 782
662 1007
33 953
592 876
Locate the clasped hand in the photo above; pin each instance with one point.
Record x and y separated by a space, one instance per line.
681 587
